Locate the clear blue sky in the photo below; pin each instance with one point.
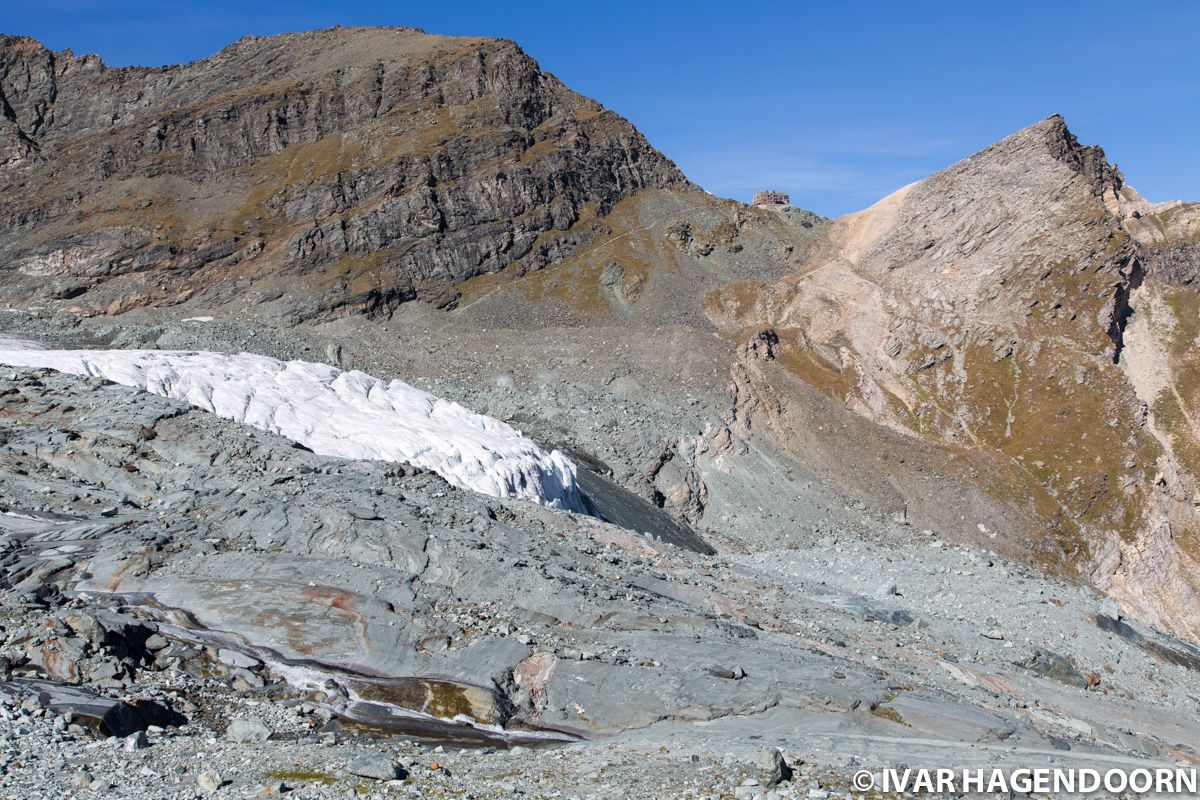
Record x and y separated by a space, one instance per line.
836 103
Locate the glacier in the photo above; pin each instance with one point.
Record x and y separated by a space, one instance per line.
346 414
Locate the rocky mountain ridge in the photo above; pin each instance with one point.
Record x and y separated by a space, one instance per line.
372 165
986 309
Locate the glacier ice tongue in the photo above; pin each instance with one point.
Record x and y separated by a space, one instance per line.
344 414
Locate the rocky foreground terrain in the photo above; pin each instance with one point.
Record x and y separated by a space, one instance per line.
912 487
178 625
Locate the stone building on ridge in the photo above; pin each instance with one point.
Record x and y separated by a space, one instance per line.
768 198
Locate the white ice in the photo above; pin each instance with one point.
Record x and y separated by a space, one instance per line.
334 413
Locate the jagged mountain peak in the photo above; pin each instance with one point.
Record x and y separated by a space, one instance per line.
1029 156
1088 160
1024 306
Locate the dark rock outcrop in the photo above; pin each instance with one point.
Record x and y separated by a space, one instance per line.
1087 160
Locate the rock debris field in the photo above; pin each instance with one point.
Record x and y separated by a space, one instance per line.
197 608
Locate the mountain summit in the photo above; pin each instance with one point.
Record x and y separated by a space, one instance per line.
1020 309
368 166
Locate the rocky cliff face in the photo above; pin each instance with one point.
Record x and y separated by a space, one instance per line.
988 309
349 168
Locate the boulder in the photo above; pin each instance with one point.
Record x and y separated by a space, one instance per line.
106 716
247 730
772 768
57 657
378 767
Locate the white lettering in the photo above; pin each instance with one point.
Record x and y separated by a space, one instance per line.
1115 781
1040 780
1020 782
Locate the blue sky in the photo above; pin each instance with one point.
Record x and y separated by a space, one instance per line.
836 103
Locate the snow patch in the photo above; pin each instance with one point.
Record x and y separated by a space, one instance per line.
334 413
